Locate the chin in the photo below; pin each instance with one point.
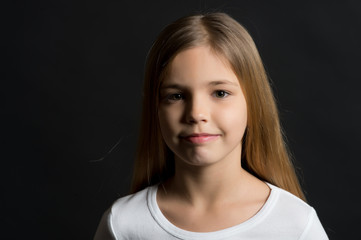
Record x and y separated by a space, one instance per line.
197 161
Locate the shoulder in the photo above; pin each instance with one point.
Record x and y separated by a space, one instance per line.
122 218
287 201
290 212
126 204
127 210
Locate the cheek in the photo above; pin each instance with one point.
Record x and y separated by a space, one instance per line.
167 120
234 117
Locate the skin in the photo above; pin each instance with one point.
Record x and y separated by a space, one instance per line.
210 190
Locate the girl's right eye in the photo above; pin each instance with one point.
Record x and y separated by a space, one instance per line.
175 97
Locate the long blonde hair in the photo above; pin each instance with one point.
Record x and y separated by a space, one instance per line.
264 152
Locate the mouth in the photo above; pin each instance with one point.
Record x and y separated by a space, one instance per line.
198 138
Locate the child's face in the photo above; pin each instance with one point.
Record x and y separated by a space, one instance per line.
202 111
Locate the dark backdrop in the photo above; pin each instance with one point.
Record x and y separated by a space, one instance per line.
71 83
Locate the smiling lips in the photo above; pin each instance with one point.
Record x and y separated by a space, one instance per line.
201 137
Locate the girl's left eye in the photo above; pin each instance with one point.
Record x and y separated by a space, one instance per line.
221 94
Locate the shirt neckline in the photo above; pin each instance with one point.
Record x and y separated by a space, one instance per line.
169 227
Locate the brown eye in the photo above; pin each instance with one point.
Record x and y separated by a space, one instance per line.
221 94
175 97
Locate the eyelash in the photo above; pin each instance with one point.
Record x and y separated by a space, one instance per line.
225 92
173 97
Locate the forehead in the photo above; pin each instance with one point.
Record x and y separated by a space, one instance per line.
199 65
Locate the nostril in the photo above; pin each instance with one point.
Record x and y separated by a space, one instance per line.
196 118
196 111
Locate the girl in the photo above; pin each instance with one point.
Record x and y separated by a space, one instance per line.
211 161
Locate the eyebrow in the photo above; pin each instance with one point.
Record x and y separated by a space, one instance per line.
222 82
212 83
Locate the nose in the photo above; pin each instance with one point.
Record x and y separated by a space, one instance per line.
197 111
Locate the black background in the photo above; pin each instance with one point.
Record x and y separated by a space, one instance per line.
71 80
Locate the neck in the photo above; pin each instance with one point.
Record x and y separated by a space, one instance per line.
204 186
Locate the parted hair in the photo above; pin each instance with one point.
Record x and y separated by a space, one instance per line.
264 152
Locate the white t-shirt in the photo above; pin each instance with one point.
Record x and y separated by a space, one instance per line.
282 217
